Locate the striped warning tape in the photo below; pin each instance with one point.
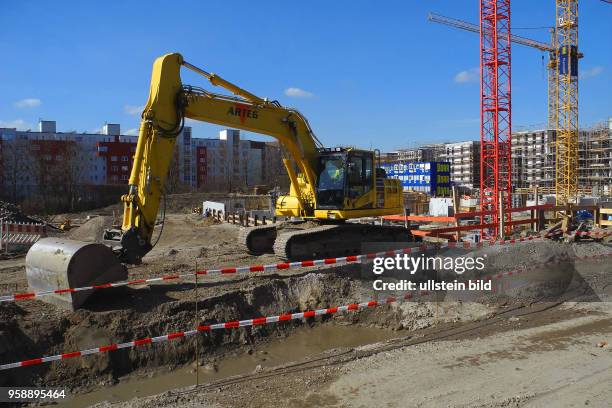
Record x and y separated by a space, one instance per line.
265 268
263 320
594 234
282 266
207 328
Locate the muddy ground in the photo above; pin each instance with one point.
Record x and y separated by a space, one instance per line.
442 352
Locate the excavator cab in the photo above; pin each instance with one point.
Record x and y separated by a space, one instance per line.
345 176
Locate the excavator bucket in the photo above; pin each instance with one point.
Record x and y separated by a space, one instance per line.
54 263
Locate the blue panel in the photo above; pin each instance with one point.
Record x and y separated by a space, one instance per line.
428 177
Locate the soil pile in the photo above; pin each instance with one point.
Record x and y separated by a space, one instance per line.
92 230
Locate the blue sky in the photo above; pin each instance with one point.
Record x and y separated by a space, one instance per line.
373 74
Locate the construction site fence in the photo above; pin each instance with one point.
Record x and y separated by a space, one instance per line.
540 215
20 235
242 218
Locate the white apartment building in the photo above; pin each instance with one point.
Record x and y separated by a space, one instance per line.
106 158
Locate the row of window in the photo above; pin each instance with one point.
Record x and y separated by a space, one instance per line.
123 158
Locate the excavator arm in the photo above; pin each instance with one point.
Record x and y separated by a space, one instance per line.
168 105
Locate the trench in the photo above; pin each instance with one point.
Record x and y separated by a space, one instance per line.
302 343
126 314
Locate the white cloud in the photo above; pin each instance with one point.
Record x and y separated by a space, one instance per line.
132 132
133 109
470 75
19 124
28 103
298 93
593 72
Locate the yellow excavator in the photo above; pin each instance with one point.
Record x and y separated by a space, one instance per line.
329 186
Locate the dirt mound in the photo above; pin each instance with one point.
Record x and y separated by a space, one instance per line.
92 230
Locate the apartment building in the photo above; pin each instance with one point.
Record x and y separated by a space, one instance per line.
426 153
32 158
464 159
595 159
533 159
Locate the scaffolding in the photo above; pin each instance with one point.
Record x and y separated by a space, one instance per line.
595 159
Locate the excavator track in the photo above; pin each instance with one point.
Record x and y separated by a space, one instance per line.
324 241
257 240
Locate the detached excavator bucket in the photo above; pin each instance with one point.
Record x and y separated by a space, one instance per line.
54 263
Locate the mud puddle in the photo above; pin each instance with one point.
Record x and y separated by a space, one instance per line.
303 342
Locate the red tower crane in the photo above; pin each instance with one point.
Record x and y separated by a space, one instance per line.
495 112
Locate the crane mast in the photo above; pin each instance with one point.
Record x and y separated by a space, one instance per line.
495 113
566 143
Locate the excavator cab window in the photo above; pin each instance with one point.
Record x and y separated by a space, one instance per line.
332 180
343 175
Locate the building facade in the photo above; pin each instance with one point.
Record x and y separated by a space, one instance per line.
533 156
464 159
107 158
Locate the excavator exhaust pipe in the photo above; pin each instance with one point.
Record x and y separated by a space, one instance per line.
55 263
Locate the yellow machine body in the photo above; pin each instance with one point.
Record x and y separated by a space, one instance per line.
170 103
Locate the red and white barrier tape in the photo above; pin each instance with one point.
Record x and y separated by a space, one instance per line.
259 321
266 268
205 328
595 234
281 266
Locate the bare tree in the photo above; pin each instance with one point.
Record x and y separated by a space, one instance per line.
174 183
15 168
68 175
57 173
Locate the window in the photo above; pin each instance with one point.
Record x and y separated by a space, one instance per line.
114 169
113 158
330 189
124 158
359 175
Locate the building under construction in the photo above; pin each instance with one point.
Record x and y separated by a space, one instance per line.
533 155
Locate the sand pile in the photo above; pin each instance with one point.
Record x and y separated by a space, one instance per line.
92 230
